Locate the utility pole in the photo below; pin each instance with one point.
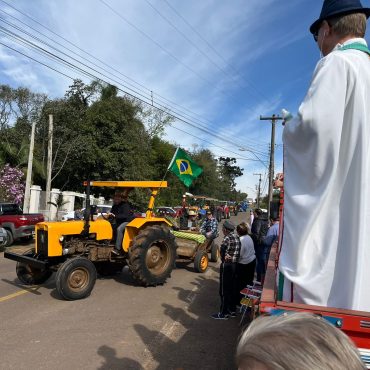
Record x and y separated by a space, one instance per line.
27 192
274 118
259 188
49 161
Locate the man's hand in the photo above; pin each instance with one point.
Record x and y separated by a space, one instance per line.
228 258
112 215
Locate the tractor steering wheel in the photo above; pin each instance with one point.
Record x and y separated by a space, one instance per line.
109 218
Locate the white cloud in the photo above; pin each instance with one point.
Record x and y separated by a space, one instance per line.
233 28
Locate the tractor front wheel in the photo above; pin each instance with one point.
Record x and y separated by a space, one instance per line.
215 252
30 275
201 261
75 278
152 255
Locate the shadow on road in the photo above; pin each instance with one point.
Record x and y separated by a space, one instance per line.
112 362
29 288
192 340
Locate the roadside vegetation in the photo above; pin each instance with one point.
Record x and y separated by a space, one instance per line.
99 134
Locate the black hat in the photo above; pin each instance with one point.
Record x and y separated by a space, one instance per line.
228 225
333 8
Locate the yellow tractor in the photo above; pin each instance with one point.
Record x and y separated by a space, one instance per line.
77 250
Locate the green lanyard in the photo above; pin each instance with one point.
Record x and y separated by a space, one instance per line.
356 46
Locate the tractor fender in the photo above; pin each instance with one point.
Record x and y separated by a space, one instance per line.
132 229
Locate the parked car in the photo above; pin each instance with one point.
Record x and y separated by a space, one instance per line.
17 224
166 211
78 215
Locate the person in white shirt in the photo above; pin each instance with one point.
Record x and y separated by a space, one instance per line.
325 250
247 260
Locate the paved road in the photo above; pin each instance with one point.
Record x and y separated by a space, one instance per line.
120 326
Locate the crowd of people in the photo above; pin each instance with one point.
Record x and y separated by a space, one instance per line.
244 252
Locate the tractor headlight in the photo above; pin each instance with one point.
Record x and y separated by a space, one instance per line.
61 238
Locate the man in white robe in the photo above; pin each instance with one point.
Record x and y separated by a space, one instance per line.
325 255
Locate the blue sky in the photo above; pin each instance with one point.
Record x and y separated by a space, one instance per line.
258 58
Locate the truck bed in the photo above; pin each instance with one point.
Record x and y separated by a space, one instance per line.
356 324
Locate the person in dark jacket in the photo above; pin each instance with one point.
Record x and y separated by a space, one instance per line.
258 233
230 251
122 212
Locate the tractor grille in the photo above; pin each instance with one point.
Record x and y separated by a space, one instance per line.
42 243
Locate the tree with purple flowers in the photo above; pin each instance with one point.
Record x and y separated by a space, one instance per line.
11 184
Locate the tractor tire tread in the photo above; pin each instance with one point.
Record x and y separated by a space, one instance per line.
138 250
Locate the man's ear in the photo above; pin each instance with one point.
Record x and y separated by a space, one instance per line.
327 29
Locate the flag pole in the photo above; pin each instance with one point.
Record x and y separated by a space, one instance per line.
168 168
171 163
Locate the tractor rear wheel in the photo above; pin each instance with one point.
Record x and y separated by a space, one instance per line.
215 252
30 275
201 261
152 255
75 278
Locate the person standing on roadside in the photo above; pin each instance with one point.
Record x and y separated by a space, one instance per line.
271 237
258 233
247 260
230 250
325 250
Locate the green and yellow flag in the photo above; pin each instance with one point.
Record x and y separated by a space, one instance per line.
184 167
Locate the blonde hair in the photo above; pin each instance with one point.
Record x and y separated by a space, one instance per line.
296 341
349 25
243 229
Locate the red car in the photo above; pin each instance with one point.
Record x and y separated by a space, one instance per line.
17 224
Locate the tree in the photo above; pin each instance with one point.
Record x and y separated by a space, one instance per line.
208 183
156 121
102 135
229 171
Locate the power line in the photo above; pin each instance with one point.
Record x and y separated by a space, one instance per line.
80 70
64 39
225 72
95 77
157 44
217 146
35 60
23 40
214 50
184 115
164 49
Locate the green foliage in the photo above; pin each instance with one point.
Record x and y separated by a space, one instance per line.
100 135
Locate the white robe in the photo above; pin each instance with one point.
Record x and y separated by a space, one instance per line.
325 257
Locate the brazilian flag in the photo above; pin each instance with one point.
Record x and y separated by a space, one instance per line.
184 167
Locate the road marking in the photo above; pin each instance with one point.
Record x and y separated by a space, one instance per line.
20 292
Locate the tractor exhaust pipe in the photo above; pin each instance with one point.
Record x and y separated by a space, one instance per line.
87 213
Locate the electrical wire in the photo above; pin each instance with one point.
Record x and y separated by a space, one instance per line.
225 72
184 115
125 92
214 50
64 61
